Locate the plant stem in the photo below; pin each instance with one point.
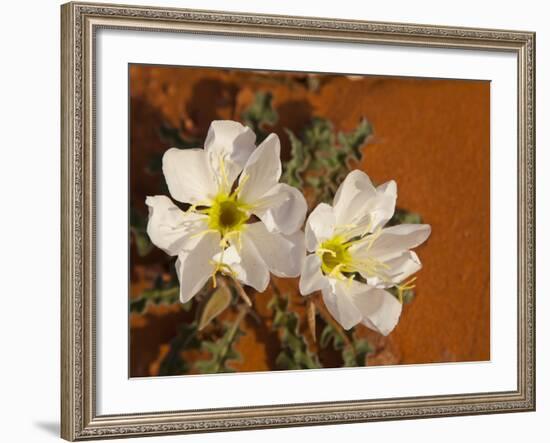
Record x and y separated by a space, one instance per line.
243 309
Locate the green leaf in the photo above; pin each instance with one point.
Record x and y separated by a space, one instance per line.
354 140
155 296
216 304
353 354
362 348
348 355
163 292
284 361
186 339
138 228
138 305
329 335
174 138
356 355
294 352
298 163
402 216
143 244
260 114
408 294
221 350
320 157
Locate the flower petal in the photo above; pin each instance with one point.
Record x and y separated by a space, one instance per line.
228 143
403 267
340 304
396 270
262 170
393 241
171 229
379 309
282 209
247 263
188 175
194 267
319 226
312 279
383 206
283 254
351 197
359 204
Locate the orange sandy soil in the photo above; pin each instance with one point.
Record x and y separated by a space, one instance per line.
431 136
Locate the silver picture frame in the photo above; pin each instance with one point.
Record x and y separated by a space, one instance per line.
80 22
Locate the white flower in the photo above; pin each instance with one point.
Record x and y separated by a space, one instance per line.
227 183
355 259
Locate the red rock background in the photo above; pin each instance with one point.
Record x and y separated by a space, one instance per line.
430 135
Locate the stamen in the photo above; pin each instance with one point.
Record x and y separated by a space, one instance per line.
405 287
193 207
370 263
226 184
408 284
237 234
321 251
368 228
221 267
214 281
225 269
352 230
374 237
244 178
364 237
336 272
370 267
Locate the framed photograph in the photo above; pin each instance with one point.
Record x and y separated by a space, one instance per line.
282 221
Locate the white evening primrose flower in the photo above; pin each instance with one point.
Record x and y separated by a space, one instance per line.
355 259
242 222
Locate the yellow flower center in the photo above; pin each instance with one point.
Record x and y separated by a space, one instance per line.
335 257
227 214
338 262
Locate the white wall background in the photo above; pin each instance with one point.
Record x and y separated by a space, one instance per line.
29 222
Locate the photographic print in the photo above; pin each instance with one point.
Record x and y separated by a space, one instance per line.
299 221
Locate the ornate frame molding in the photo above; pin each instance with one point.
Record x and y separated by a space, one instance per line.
79 23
